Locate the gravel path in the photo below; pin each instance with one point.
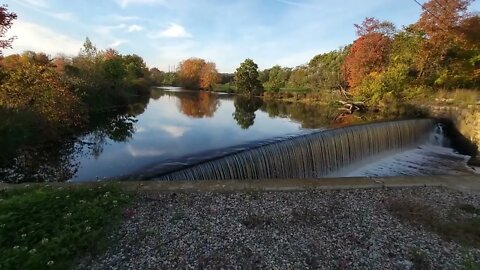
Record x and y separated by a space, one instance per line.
323 229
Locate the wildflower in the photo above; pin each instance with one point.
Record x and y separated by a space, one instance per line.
82 201
16 247
50 263
88 228
32 251
57 197
24 235
114 201
2 225
68 197
44 240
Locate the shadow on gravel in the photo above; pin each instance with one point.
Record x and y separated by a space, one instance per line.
462 224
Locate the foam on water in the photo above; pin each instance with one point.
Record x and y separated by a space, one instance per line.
435 157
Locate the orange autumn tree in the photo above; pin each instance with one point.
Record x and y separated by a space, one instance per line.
369 52
450 51
196 73
208 76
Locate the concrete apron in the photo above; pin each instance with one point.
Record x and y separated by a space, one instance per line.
464 183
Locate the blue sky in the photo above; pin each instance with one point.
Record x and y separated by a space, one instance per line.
163 32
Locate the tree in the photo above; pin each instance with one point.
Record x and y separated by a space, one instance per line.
246 78
6 21
369 53
325 70
208 76
450 43
189 72
37 88
135 66
277 78
298 78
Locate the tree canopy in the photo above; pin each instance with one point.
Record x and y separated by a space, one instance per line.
247 78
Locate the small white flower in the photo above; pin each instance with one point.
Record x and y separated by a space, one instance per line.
16 247
32 251
2 225
88 228
115 201
68 197
50 263
57 197
44 240
24 235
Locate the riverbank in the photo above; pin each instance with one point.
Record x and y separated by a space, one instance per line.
391 228
302 223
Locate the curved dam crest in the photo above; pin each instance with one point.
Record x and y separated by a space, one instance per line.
312 155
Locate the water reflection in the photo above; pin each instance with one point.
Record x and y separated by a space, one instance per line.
245 108
169 124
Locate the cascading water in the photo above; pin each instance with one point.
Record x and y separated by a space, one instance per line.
313 155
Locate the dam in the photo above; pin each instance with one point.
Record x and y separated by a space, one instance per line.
406 147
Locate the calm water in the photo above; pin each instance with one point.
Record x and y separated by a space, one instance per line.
177 123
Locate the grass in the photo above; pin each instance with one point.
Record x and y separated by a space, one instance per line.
50 228
462 225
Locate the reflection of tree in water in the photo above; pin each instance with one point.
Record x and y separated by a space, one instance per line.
156 93
55 160
245 108
309 116
197 104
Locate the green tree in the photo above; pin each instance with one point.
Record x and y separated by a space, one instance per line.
325 70
277 78
246 78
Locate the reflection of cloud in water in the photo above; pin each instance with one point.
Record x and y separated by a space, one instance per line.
174 131
134 152
140 130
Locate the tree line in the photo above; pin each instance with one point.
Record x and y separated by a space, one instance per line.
439 51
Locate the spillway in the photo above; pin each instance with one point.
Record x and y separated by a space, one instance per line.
314 155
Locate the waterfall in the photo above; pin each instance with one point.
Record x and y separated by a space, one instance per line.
309 156
438 136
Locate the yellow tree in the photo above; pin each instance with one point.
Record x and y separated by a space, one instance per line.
208 76
189 72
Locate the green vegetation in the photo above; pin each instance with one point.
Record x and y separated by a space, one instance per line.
438 56
247 79
50 228
44 101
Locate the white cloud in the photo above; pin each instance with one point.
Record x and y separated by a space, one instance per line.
38 38
38 3
172 31
105 30
117 43
134 28
125 3
64 16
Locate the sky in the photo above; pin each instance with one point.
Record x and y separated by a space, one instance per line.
164 32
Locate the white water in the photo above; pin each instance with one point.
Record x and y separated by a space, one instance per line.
432 158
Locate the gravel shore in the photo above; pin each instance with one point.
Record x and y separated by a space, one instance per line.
318 229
